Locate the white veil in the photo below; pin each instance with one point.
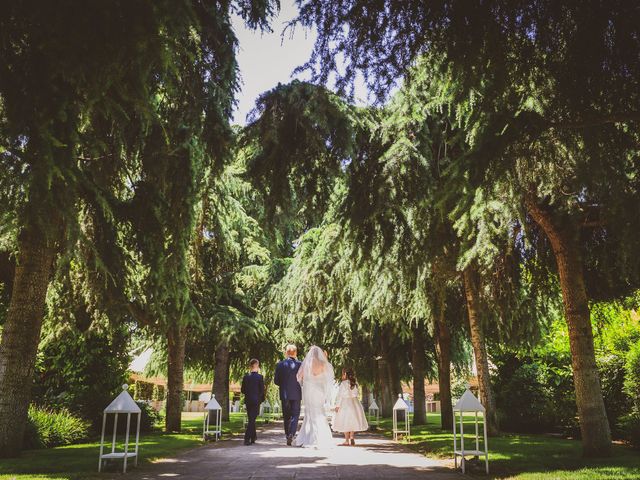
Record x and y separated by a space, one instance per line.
316 368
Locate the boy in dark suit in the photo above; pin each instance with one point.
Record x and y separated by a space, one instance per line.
253 390
290 391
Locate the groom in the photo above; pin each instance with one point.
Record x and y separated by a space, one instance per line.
290 391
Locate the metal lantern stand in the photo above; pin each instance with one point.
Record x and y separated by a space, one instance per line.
374 414
245 416
212 408
122 404
265 411
469 403
401 406
277 411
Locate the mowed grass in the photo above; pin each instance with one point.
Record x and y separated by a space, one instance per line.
525 457
79 462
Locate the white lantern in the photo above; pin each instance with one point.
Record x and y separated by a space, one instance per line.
122 404
245 415
401 406
374 414
265 410
469 403
277 411
214 409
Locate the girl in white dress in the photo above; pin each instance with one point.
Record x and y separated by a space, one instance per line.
316 377
349 416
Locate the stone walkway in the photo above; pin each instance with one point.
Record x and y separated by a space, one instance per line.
374 457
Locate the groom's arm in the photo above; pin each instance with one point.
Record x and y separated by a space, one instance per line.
263 391
243 389
276 376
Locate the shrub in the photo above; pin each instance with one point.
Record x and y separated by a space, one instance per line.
150 417
630 426
82 357
612 375
521 398
632 375
48 428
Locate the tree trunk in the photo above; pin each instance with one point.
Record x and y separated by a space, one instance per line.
365 397
443 349
385 392
21 336
418 364
394 381
472 294
176 338
221 378
594 426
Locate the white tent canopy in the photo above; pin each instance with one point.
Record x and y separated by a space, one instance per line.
140 360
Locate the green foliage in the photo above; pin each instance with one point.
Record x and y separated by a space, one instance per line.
617 402
158 393
299 139
534 386
82 359
143 390
533 394
497 51
78 462
48 428
525 457
149 421
629 425
234 264
632 374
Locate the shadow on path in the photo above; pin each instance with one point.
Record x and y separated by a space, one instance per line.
374 457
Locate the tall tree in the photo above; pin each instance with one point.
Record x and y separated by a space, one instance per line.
526 70
53 93
46 88
419 374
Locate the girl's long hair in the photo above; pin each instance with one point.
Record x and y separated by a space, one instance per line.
351 376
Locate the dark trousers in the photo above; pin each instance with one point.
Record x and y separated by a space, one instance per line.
252 413
290 413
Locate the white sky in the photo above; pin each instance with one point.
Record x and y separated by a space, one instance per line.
270 58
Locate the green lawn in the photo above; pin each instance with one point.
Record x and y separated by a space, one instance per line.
527 457
80 461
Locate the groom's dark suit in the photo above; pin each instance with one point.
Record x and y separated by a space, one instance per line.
253 389
290 393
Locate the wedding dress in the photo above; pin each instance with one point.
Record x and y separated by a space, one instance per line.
317 378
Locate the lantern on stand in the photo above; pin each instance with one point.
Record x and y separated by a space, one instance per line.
212 409
374 414
277 411
265 411
401 427
122 404
470 404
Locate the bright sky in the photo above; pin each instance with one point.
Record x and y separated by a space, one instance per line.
270 58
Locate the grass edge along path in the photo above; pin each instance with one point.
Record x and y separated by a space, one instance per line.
524 456
80 461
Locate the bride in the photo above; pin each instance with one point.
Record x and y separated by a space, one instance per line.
317 379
